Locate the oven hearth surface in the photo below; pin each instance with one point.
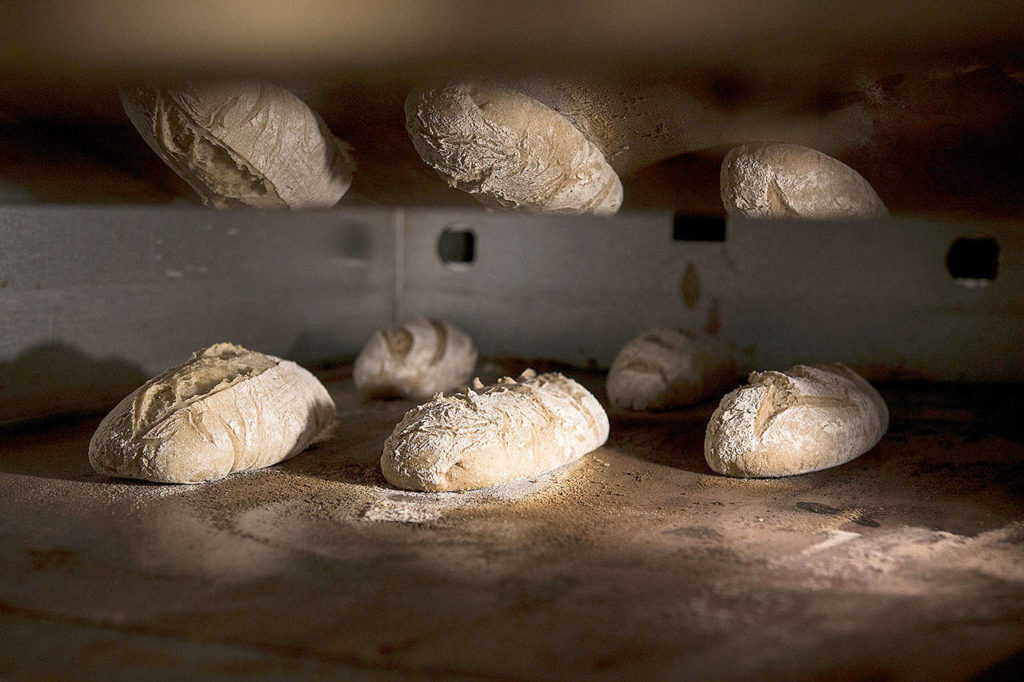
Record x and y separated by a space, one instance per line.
635 561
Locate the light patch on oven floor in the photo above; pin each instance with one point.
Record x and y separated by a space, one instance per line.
915 556
887 552
997 553
906 559
176 540
833 539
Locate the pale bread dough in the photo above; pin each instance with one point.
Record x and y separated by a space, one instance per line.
804 419
666 368
509 150
415 360
789 181
242 142
227 409
487 435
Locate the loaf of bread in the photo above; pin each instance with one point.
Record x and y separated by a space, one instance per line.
415 360
789 181
494 434
245 142
509 150
804 419
666 368
227 409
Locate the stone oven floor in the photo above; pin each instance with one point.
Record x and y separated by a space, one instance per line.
634 562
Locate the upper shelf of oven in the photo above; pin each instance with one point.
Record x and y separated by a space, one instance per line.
103 38
925 100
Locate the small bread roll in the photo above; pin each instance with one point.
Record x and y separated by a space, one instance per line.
495 434
806 419
789 181
509 150
666 368
415 360
242 143
227 409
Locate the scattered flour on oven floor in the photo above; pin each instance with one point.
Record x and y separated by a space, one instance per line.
297 513
254 503
92 490
411 507
417 507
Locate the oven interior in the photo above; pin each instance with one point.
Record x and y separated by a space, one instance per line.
635 561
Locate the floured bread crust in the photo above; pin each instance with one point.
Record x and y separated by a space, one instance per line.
415 360
245 142
805 419
789 181
227 409
509 150
666 368
494 434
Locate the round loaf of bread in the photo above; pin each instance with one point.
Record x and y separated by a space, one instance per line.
789 181
494 434
238 143
227 409
415 360
804 419
666 368
509 150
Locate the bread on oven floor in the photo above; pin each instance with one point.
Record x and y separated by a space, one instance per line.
415 360
487 435
226 410
804 419
666 368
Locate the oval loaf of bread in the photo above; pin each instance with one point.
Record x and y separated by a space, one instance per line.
789 181
415 360
804 419
227 409
509 150
243 142
666 368
494 434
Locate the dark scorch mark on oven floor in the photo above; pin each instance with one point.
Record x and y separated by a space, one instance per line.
699 532
861 519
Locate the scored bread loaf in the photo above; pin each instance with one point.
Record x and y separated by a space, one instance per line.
227 409
487 435
507 149
415 360
666 368
804 419
242 142
790 181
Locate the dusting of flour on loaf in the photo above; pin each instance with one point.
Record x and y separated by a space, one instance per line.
415 360
225 410
242 143
669 368
790 181
486 435
507 149
784 423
